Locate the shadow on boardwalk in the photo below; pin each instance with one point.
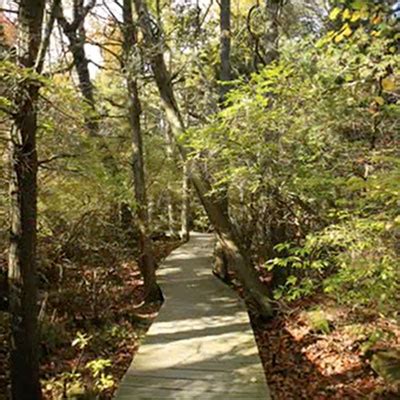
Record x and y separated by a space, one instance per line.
201 345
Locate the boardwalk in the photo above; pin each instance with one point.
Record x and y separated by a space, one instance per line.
201 345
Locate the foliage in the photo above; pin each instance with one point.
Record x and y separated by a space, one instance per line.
318 321
308 149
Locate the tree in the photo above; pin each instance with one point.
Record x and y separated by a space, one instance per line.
185 211
227 234
225 47
76 33
225 75
23 191
147 261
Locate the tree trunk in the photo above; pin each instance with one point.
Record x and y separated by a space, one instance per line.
185 203
147 262
22 276
221 266
185 231
225 231
170 153
76 34
85 84
170 212
225 47
271 37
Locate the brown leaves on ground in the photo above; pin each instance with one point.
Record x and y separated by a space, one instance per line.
302 363
100 301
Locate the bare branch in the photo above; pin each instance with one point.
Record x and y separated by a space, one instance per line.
58 157
59 71
46 40
8 10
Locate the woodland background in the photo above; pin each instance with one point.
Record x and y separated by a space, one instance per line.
274 124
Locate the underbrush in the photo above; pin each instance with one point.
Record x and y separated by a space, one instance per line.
90 319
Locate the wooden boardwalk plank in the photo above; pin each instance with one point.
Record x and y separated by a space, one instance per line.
201 345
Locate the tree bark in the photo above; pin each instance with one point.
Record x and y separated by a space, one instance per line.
76 34
47 35
22 276
225 48
271 37
185 211
147 262
225 230
170 152
185 203
221 261
220 267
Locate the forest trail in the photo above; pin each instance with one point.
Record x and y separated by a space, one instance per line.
201 345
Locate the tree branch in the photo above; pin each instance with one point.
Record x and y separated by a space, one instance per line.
47 35
57 157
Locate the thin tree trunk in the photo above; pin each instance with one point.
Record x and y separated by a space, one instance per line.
185 231
185 204
170 153
225 47
47 35
22 275
225 231
221 266
271 37
151 212
170 211
147 260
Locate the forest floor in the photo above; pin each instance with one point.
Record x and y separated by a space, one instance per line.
303 358
326 359
91 326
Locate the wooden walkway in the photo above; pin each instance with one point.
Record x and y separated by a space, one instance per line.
201 345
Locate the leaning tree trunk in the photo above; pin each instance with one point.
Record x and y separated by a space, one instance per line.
225 231
22 276
147 262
